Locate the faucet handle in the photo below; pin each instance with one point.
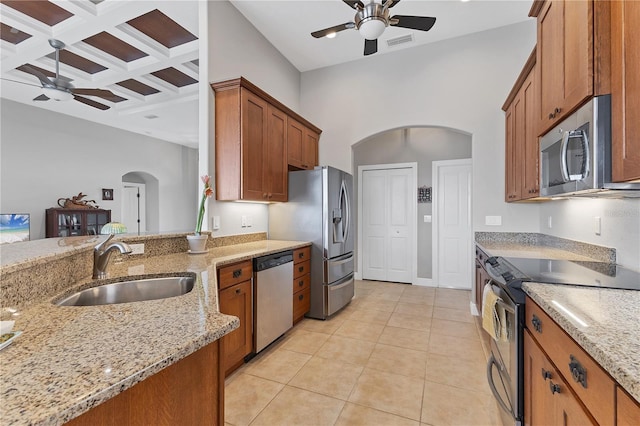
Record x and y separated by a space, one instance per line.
102 244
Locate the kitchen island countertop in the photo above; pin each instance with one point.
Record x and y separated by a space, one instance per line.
70 359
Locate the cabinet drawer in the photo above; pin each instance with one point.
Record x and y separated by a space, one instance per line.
301 303
302 254
597 389
301 283
300 269
234 274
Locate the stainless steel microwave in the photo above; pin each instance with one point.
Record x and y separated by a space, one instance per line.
575 156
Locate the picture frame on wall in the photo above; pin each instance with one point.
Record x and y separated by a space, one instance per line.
15 227
107 193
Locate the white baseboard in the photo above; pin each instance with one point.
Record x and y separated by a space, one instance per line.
357 276
425 282
474 309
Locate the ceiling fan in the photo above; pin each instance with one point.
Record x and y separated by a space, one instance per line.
371 20
59 88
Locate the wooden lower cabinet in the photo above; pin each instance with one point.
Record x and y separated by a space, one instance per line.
548 398
189 392
627 409
235 297
301 282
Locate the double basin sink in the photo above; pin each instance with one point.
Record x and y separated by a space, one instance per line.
131 290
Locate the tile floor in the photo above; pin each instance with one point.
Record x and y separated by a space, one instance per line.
396 355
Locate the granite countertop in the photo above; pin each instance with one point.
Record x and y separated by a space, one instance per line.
530 251
69 359
609 326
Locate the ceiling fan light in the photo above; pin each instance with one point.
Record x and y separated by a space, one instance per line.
331 35
56 94
371 29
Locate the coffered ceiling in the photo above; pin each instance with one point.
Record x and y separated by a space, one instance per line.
144 52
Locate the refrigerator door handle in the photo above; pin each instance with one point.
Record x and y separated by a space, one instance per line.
344 205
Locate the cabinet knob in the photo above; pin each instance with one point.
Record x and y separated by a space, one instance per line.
270 195
264 195
300 255
546 374
238 291
554 387
300 268
578 372
536 323
301 297
300 283
237 273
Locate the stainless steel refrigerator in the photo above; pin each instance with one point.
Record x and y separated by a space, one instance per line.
320 210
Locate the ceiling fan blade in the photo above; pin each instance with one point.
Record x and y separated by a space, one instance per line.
21 82
354 4
337 28
390 3
101 93
91 103
44 80
422 23
41 98
370 47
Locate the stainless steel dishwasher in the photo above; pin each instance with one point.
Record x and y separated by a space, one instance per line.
273 297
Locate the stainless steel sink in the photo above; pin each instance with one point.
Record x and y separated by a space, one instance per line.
137 290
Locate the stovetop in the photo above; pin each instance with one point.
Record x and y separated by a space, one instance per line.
554 271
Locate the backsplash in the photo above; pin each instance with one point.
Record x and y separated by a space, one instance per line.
600 253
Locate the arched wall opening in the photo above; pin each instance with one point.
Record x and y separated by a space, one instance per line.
421 144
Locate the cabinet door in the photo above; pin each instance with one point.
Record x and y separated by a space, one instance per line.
275 155
254 134
295 139
538 371
512 180
310 150
236 301
625 90
565 59
531 150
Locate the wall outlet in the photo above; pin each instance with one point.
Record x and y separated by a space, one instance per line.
597 225
249 221
243 221
493 220
137 248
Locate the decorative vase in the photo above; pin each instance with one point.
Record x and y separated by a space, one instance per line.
197 243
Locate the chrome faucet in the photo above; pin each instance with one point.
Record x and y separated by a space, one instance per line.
101 254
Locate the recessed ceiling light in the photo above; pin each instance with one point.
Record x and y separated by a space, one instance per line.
151 116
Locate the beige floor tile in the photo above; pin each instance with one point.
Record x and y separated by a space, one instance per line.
461 315
463 373
295 406
346 349
420 291
385 295
447 405
370 316
360 330
357 415
246 396
414 309
457 347
305 341
405 338
454 328
378 305
394 359
458 300
279 365
327 326
392 393
417 300
413 322
328 377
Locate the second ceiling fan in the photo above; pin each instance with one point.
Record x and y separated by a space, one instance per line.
371 20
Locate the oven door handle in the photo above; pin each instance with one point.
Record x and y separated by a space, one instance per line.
492 386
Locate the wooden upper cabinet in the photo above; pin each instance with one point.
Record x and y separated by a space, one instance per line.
253 137
564 58
302 145
521 141
625 90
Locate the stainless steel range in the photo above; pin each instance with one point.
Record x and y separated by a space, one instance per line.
505 372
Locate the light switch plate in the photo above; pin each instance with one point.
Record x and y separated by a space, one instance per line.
427 218
137 248
597 225
493 220
216 222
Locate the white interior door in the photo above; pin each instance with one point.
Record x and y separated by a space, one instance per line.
133 207
387 224
452 198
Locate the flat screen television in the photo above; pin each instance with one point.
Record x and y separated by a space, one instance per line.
14 227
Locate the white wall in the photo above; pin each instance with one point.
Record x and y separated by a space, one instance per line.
459 83
235 49
46 156
620 220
